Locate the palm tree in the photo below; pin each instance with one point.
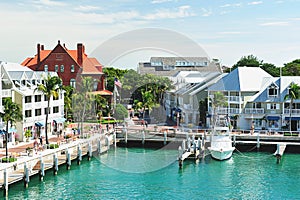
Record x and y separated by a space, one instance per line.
11 114
218 100
68 99
293 93
50 88
83 99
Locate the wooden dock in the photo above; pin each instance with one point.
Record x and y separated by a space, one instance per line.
51 159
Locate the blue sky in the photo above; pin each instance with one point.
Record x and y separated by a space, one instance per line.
225 29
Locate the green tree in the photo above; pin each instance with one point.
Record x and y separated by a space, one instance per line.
120 112
50 88
218 100
83 100
101 106
247 61
293 93
271 69
68 99
11 113
292 68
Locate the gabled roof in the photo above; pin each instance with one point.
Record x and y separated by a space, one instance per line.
282 83
91 66
241 79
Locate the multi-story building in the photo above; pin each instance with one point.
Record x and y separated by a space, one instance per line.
19 84
69 65
169 66
256 98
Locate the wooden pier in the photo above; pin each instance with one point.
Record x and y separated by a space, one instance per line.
50 159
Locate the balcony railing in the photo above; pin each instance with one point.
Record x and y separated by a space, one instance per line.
6 93
254 111
233 98
294 111
228 111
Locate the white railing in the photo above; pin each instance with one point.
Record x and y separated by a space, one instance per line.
233 98
254 111
6 93
228 111
294 111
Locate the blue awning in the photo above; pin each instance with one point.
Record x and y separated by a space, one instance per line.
39 124
276 118
60 120
292 118
12 130
2 132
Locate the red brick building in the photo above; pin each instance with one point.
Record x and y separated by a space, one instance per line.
69 65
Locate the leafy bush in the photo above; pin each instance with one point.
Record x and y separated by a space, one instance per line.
121 112
11 159
53 146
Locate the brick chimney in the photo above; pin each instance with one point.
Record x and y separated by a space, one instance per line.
42 47
80 52
38 56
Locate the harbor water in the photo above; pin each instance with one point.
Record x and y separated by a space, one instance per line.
135 173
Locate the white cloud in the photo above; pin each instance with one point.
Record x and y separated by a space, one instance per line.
49 3
160 1
231 5
206 12
91 18
180 12
255 2
87 8
275 24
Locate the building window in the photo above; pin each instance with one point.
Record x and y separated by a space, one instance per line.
273 90
56 68
28 113
38 112
28 99
273 106
62 68
55 109
45 111
37 98
72 68
73 83
46 68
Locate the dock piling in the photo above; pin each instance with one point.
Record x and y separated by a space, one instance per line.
55 164
165 137
26 175
42 169
99 146
115 139
79 154
5 183
258 144
90 152
68 159
143 137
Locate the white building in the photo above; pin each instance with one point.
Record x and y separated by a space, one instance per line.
19 83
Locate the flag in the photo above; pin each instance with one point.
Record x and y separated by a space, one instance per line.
118 83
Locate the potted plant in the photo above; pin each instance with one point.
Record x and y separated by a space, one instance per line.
27 134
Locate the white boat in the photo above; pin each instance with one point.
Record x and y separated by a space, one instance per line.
221 144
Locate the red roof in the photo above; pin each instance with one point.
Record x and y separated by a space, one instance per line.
89 65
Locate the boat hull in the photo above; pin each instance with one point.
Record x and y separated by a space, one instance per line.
221 154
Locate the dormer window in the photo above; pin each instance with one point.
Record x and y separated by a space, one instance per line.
273 90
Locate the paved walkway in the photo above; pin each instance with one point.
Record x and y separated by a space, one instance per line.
21 147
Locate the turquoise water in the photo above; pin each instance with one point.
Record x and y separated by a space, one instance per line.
154 174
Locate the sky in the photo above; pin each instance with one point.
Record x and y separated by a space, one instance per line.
225 29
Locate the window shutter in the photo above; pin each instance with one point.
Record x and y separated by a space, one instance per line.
268 106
